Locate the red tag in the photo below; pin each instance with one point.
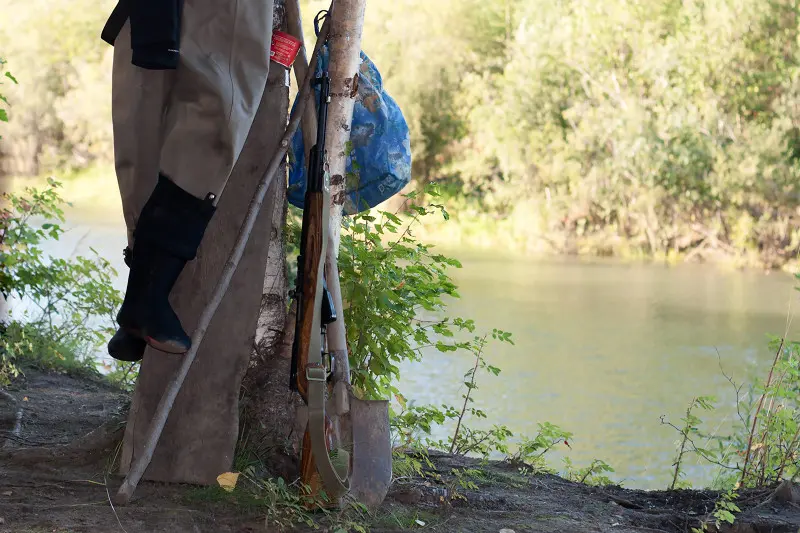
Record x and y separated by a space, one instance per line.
284 48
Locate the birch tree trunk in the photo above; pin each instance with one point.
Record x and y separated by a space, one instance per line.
345 47
274 416
269 407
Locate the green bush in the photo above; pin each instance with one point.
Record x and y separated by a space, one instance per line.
395 292
67 305
3 100
763 448
394 289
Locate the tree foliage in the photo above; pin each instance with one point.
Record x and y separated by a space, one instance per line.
590 126
64 307
62 106
671 124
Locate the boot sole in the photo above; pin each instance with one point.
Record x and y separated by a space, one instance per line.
170 347
166 347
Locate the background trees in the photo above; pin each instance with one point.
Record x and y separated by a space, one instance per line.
603 127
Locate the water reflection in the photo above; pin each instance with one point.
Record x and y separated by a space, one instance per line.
604 349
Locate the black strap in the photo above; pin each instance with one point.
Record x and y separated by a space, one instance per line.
115 22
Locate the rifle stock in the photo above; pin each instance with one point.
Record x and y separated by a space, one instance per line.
308 273
307 307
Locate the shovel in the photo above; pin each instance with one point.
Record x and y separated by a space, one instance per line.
371 472
363 425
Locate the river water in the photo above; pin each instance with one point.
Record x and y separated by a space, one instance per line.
602 349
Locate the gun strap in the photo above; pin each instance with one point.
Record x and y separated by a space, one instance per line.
336 483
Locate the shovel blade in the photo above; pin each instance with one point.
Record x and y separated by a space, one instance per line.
372 451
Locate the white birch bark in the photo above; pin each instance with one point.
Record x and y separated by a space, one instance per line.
345 47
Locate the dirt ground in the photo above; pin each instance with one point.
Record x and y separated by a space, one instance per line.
49 489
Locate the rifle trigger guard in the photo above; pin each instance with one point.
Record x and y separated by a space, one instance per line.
316 372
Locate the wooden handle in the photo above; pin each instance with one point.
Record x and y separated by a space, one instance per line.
312 251
309 476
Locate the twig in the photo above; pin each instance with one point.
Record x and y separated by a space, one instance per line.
621 501
108 493
685 434
694 448
758 410
737 388
15 434
8 396
589 471
136 472
466 397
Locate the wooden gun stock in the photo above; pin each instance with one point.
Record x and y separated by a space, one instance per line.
309 264
308 322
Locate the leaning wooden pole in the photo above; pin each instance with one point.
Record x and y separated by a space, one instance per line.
294 21
347 22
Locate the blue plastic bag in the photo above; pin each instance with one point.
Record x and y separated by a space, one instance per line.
379 164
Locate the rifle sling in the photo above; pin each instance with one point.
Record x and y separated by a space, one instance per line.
336 485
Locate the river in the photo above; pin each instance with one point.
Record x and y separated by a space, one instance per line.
602 349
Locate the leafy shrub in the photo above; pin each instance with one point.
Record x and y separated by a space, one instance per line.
394 289
3 99
764 446
68 304
594 474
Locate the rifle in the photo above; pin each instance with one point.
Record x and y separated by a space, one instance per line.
311 365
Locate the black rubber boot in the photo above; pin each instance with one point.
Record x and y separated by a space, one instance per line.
167 235
123 346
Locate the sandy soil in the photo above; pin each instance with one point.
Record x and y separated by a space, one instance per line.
61 490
